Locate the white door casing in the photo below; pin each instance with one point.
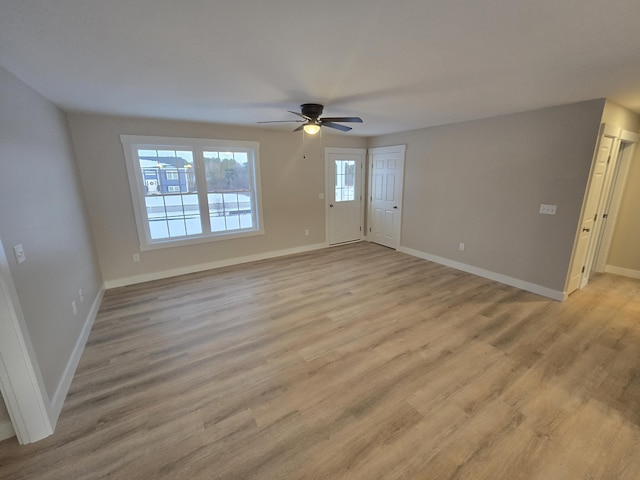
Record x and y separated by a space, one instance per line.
614 198
344 197
598 226
386 178
587 223
20 379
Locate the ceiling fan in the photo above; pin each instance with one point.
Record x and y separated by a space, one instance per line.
311 122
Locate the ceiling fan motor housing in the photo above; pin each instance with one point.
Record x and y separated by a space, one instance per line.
311 110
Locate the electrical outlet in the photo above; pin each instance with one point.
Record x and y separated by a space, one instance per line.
136 257
548 209
75 308
306 232
461 247
81 295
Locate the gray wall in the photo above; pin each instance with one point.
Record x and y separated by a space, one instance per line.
292 167
41 207
482 183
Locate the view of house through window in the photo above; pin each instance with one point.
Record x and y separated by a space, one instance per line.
193 192
171 199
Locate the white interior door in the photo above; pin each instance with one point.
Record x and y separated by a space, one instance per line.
344 168
594 193
386 176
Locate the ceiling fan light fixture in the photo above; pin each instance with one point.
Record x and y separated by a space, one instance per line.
311 128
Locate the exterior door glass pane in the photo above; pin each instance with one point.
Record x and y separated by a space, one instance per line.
345 180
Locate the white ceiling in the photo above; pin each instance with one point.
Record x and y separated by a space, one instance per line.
400 64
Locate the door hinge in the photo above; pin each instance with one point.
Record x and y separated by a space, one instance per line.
609 160
595 217
369 229
582 270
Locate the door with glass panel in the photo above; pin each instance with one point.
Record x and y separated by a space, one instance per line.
344 194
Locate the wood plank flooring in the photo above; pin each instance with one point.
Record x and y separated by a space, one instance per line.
355 362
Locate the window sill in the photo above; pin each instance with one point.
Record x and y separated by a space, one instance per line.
194 240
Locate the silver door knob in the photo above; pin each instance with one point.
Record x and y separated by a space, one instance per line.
331 204
586 230
395 206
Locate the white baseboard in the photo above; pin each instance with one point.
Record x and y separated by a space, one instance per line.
147 277
626 272
6 430
55 406
481 272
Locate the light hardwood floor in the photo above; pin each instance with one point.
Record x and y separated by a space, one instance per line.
355 362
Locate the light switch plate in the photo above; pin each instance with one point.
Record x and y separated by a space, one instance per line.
19 253
548 209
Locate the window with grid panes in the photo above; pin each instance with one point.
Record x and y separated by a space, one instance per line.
193 190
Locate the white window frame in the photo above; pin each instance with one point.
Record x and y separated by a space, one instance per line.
131 144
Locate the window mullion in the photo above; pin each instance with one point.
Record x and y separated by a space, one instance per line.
254 189
203 197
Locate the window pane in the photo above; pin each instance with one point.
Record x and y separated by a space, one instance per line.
157 216
166 174
159 229
192 214
177 228
233 222
345 180
244 210
229 190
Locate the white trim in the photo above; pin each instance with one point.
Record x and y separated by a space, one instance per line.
629 137
481 272
626 272
60 395
610 130
6 430
350 151
21 382
195 239
147 277
401 148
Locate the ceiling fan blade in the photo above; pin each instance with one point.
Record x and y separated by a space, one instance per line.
299 128
337 126
299 114
342 119
282 121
